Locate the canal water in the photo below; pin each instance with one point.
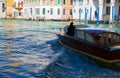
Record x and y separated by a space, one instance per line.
30 49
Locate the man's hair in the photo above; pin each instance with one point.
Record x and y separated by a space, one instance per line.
71 23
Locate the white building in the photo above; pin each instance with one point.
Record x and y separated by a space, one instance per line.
83 10
42 10
96 10
2 8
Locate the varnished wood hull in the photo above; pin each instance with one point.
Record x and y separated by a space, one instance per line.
90 49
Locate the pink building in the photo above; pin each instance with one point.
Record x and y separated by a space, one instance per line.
67 13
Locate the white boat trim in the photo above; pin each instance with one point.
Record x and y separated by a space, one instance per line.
114 48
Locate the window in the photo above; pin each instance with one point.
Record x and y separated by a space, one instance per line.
96 14
37 11
70 11
71 2
30 0
108 10
64 1
64 11
43 11
74 2
33 0
58 12
3 5
39 1
80 34
87 2
31 11
27 1
51 1
43 2
51 11
80 10
115 38
58 2
89 38
107 1
80 2
15 13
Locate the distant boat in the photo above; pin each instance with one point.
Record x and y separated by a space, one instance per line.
101 44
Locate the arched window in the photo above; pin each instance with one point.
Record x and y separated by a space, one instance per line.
43 11
80 10
71 2
64 11
107 10
58 12
70 11
64 1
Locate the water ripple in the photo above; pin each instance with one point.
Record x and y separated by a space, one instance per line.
30 49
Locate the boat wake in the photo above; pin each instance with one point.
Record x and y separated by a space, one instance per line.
73 65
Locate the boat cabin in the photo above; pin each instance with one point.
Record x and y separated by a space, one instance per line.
102 37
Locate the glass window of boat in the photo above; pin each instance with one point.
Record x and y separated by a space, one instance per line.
80 34
105 39
109 38
100 39
115 38
89 38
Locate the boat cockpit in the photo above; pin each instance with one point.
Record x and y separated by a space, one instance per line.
108 39
101 37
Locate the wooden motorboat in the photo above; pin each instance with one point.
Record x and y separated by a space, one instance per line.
101 44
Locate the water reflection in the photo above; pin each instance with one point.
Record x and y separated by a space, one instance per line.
25 52
9 26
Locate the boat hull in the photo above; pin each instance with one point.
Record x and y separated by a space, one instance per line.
91 49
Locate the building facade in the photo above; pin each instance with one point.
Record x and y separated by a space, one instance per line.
9 8
2 8
96 10
67 9
82 10
18 9
42 9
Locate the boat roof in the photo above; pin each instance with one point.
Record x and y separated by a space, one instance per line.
94 30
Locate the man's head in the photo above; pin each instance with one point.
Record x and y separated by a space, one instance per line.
71 23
